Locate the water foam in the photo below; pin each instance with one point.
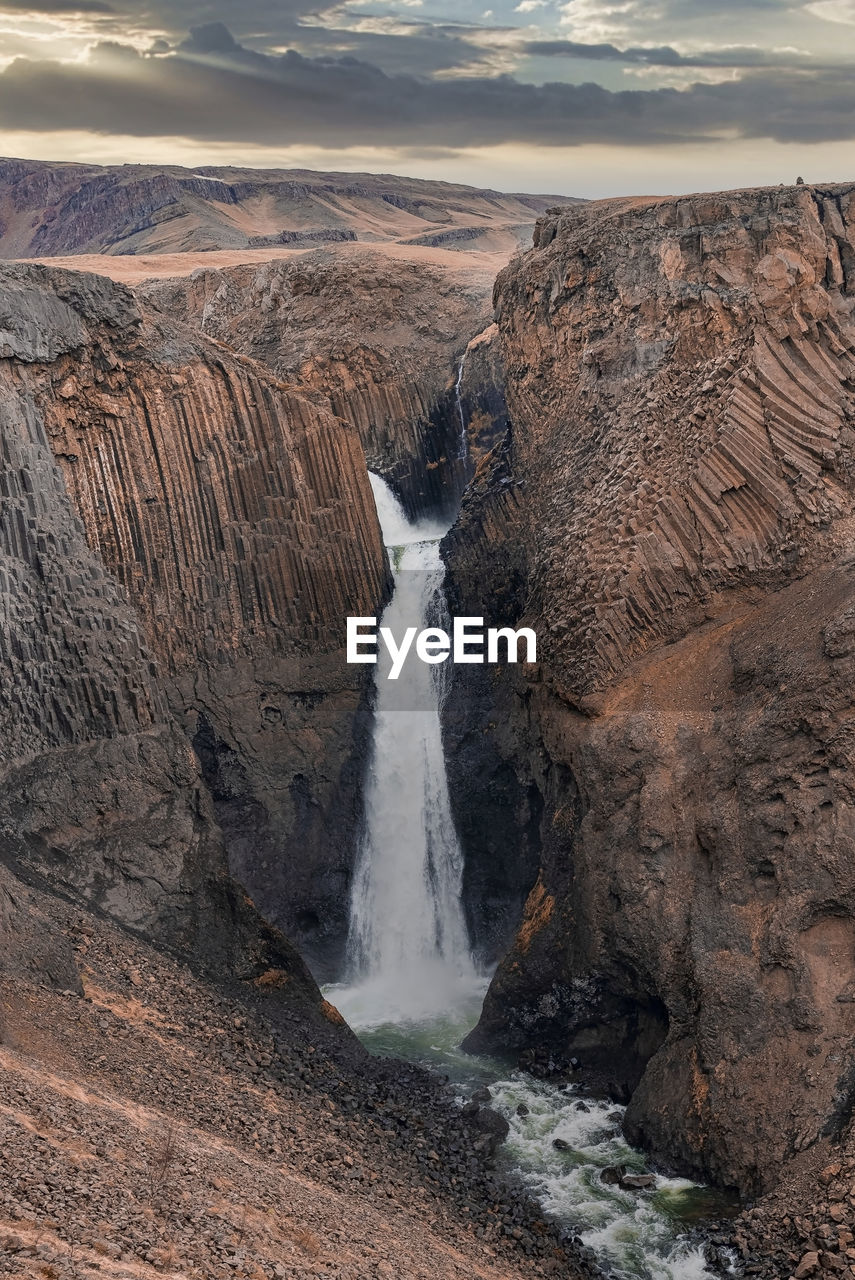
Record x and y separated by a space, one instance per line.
635 1234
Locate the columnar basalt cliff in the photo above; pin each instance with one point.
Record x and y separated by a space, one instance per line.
375 339
501 853
673 510
182 538
483 409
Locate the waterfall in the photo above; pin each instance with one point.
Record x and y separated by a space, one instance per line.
413 990
408 948
463 443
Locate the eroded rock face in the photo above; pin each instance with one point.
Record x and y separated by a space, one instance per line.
31 947
182 540
674 513
481 394
376 340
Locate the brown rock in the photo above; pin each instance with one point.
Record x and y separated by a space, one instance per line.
671 516
161 544
378 341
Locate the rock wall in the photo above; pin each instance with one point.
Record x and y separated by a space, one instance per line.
499 833
375 339
481 394
182 539
673 511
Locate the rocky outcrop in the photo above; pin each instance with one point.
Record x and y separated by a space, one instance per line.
673 512
481 395
181 541
302 239
48 210
377 340
32 949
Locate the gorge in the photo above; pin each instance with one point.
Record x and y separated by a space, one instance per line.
650 833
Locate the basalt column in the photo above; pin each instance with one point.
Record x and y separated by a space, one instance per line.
233 521
673 512
102 796
376 340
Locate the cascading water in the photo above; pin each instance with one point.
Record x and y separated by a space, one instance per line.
408 949
463 443
413 991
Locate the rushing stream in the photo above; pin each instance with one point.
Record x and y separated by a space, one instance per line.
413 990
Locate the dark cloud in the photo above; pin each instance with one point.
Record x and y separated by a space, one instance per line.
736 57
211 37
424 50
211 91
55 6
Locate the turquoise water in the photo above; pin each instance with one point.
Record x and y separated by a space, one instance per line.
637 1235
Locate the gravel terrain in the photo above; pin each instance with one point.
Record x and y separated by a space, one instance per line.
155 1126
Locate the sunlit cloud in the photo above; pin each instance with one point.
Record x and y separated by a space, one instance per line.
38 36
682 77
834 11
591 20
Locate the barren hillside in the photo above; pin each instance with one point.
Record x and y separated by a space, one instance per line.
51 209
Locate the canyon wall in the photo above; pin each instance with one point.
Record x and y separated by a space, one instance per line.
376 339
481 395
182 538
673 510
501 850
387 345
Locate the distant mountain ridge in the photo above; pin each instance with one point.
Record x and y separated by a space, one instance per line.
53 209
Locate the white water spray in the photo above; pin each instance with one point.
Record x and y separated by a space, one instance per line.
408 947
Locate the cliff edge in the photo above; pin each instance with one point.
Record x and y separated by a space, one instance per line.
673 509
173 572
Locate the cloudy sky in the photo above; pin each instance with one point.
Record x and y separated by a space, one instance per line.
587 97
